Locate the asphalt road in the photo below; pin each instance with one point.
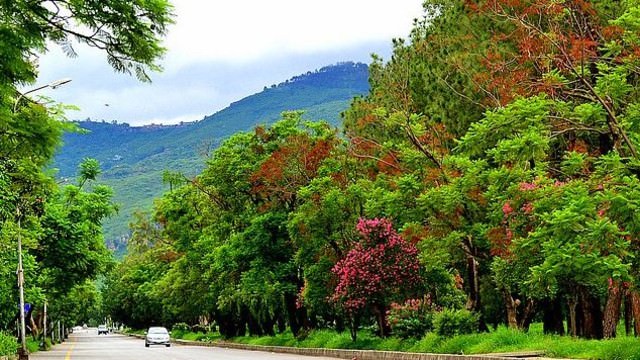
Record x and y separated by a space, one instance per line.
87 345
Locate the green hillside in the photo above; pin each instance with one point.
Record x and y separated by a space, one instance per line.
134 158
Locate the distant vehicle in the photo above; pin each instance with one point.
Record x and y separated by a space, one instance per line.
157 336
102 329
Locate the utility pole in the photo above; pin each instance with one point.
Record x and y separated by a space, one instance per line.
44 330
23 354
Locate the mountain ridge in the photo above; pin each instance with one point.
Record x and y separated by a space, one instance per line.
133 158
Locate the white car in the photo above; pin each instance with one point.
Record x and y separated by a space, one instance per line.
102 329
157 336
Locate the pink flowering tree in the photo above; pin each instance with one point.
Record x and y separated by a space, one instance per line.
380 269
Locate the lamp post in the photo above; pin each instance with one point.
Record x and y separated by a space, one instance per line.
53 85
23 353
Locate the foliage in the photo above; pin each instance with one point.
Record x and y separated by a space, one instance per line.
60 228
381 268
499 340
500 141
127 32
134 164
180 327
450 322
8 345
72 247
412 319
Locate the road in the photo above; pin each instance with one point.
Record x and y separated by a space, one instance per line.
87 345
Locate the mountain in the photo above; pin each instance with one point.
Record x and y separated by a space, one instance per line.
133 159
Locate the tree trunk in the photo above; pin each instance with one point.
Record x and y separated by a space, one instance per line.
591 315
473 301
635 309
552 317
612 310
572 304
381 318
354 323
339 323
628 314
510 305
290 304
303 318
252 324
526 316
473 279
518 319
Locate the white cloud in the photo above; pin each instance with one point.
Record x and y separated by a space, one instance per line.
243 30
221 51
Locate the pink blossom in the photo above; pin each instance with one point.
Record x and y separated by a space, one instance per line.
379 265
527 208
524 186
507 209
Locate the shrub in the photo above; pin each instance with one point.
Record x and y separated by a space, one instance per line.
414 318
455 322
183 327
8 344
200 328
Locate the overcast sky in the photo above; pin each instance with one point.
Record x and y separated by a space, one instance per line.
222 51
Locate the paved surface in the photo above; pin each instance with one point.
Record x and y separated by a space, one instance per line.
87 345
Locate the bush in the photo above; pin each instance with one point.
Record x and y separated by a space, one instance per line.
182 327
455 322
8 344
414 318
197 328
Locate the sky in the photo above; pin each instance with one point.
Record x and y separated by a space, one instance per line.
222 51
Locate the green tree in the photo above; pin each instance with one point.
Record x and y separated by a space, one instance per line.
61 227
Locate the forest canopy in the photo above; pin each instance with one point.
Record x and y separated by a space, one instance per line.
495 156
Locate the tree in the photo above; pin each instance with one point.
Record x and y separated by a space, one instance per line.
71 248
380 269
61 227
128 32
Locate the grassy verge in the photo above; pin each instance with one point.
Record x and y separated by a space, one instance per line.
134 331
33 345
500 340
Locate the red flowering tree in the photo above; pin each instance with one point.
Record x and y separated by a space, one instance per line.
381 268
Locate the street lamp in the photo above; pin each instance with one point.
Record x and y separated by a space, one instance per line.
53 85
24 354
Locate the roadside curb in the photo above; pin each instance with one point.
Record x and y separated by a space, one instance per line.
340 353
351 354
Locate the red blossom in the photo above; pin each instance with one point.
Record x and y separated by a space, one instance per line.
507 209
380 267
524 186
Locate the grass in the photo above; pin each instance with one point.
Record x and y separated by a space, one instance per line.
499 340
33 345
